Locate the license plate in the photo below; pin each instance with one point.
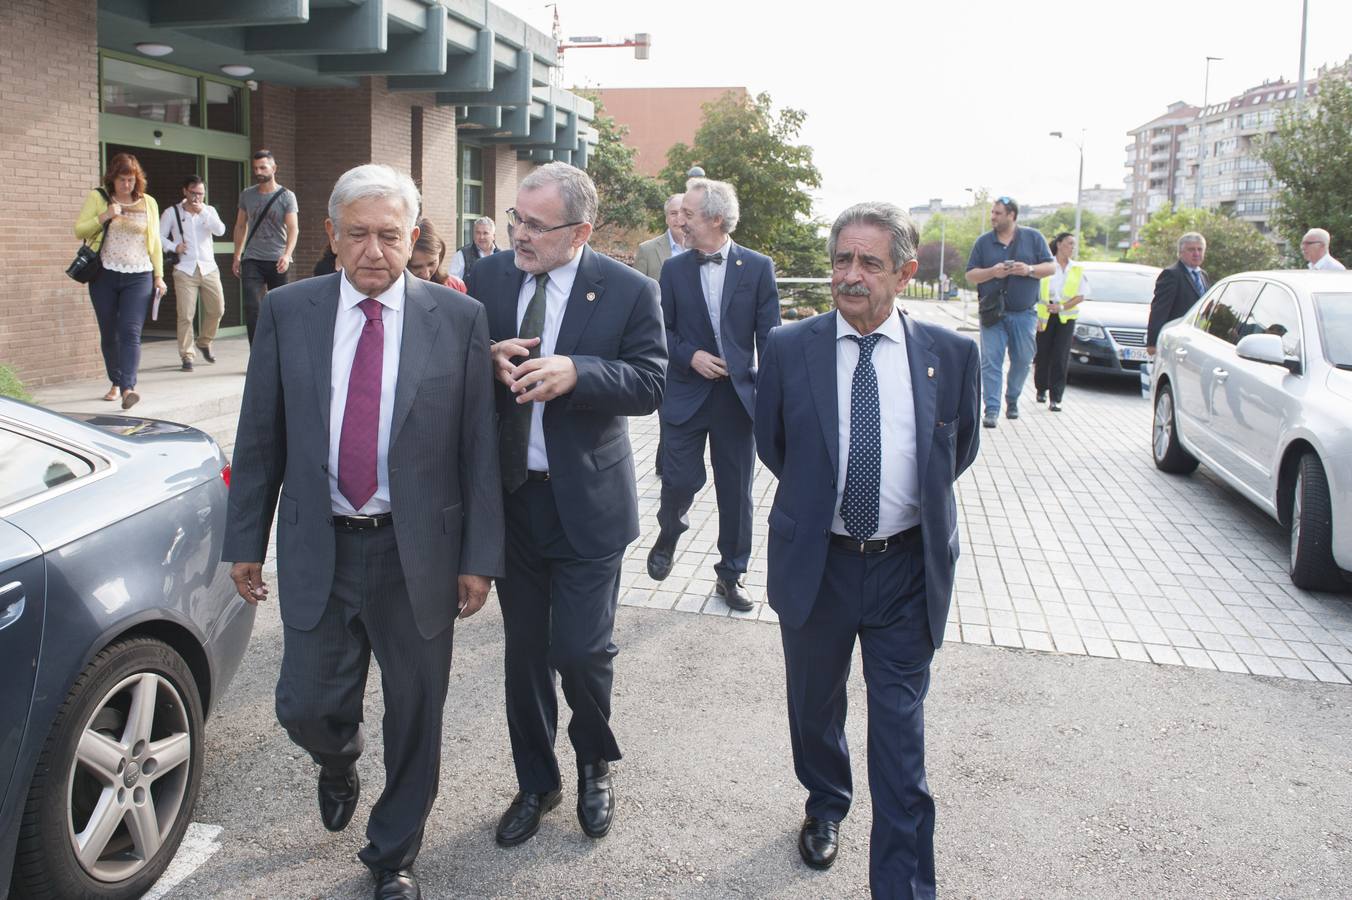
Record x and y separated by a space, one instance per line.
1136 353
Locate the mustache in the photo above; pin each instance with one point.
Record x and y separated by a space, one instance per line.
852 290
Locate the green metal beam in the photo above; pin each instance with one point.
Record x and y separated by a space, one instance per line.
422 54
357 29
215 13
511 89
543 132
486 117
470 72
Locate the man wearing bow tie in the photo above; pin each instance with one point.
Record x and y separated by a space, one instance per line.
719 302
867 417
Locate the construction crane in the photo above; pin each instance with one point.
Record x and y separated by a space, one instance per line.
640 41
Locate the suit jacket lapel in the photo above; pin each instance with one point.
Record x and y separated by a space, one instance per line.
730 279
319 335
819 351
415 348
924 389
690 270
587 294
664 246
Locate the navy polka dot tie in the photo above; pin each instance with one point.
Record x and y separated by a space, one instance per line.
859 503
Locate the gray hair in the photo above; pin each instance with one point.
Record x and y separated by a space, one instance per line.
484 220
1191 237
887 216
575 187
720 199
1317 234
674 198
375 181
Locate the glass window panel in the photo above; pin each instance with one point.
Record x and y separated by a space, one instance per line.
225 107
29 467
143 92
472 163
473 201
1275 313
1334 312
1231 309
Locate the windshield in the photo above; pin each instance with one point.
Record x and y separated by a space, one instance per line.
1334 312
1120 285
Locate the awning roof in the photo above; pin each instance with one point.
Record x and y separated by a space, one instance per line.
473 55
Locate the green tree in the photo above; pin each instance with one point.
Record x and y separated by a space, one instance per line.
959 232
1311 159
743 141
1232 245
626 197
1095 231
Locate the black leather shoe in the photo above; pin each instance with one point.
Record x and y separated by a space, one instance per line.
399 884
817 842
206 354
338 793
1055 406
1041 396
660 558
595 798
522 819
187 365
736 596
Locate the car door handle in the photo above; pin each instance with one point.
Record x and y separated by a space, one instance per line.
11 608
1180 352
1220 374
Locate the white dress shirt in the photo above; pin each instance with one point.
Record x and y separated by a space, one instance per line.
556 301
347 330
198 230
899 492
1059 282
676 247
1329 263
711 278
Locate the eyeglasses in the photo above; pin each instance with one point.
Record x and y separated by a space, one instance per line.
534 229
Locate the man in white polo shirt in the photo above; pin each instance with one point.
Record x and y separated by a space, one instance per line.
186 228
1315 248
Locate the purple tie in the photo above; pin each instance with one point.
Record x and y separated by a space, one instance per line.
361 414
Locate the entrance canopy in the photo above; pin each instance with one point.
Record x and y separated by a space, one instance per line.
489 64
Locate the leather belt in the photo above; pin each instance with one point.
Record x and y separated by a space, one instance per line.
362 523
533 475
865 548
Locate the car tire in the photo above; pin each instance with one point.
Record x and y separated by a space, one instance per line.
1168 453
118 776
1312 564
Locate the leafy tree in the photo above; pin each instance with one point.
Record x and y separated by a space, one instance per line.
928 257
626 196
1311 158
959 232
1232 245
743 141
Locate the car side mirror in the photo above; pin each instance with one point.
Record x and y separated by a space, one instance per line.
1266 348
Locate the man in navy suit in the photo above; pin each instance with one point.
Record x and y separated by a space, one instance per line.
867 417
578 347
1177 287
719 302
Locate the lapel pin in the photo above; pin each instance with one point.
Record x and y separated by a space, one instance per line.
591 295
739 262
930 371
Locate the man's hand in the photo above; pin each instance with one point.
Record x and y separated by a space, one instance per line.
506 351
1000 270
543 379
1150 351
234 266
248 579
182 247
1054 307
708 365
473 593
1021 268
283 264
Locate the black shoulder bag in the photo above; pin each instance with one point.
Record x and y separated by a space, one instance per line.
171 256
253 226
990 309
88 263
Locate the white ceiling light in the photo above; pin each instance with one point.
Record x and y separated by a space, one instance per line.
150 49
237 70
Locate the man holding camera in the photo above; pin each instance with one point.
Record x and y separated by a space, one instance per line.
186 230
1006 265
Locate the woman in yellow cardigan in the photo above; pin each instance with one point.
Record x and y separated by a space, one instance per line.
132 274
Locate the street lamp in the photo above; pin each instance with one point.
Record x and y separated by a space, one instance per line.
1201 131
1079 183
1304 20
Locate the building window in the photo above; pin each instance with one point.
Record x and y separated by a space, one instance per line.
160 93
471 190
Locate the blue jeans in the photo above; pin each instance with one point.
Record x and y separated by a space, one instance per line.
1017 332
121 302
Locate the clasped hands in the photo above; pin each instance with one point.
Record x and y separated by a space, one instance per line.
534 380
1014 268
248 578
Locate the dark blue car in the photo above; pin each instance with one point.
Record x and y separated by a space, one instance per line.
119 631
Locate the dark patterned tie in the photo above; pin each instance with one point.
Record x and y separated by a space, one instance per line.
859 502
361 413
516 432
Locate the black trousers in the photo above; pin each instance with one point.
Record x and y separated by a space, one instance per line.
323 681
257 276
1052 360
558 614
880 600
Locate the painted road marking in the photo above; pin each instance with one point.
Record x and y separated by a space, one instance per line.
199 844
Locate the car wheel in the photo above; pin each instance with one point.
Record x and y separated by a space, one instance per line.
1312 565
1168 452
114 788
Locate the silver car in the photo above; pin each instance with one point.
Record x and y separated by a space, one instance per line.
1256 382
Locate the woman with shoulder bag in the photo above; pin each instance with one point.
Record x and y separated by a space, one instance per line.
132 262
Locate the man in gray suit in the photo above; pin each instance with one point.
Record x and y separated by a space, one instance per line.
368 409
651 254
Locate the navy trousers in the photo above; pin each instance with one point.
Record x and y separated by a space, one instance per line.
558 615
879 598
722 421
323 682
121 302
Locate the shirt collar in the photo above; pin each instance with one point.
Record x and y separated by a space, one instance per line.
891 327
349 296
564 276
676 246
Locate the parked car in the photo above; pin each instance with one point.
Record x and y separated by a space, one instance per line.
119 631
1109 336
1256 382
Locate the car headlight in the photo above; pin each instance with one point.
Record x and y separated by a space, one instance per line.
1089 333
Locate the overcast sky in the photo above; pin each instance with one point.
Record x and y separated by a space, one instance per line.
907 101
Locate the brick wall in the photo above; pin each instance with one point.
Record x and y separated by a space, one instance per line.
439 168
49 152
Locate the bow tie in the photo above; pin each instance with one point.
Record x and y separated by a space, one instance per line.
715 258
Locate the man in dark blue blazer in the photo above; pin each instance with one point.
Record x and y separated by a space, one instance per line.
719 303
1178 287
867 417
578 347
